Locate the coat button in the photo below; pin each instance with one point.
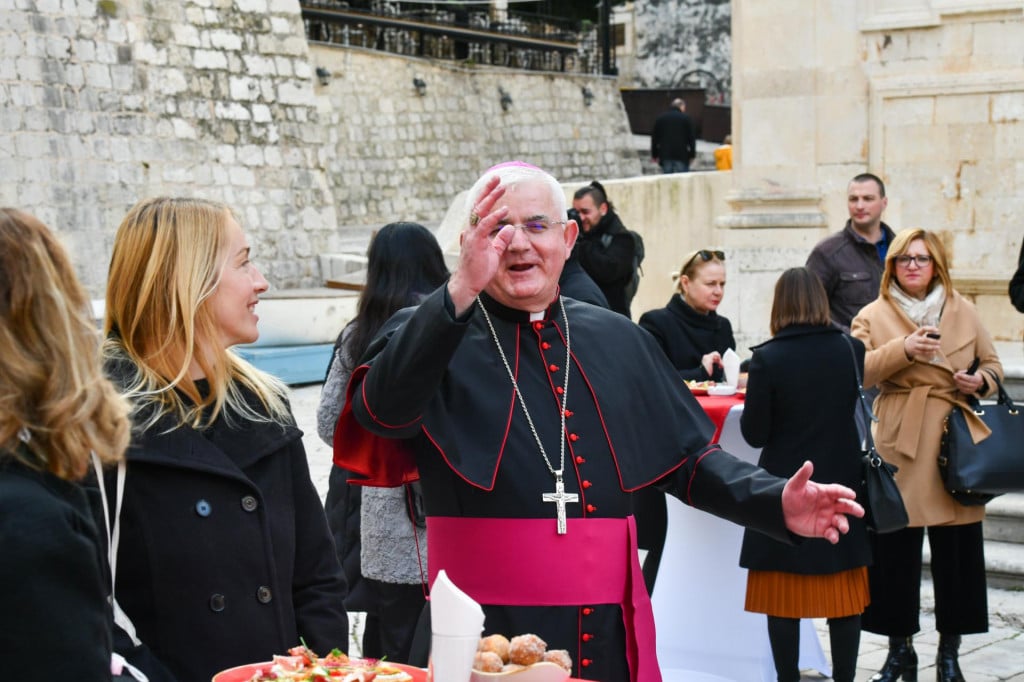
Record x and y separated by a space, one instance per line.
552 368
264 595
249 503
587 484
586 662
573 437
591 508
559 390
546 345
580 460
587 610
587 637
568 413
203 508
217 603
538 325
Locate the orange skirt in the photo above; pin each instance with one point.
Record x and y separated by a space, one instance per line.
793 595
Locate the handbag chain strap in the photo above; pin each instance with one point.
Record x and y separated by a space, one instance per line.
865 409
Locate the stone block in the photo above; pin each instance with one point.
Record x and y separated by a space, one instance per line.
962 108
98 76
281 25
209 59
252 6
258 65
1009 141
1008 107
910 110
224 40
186 35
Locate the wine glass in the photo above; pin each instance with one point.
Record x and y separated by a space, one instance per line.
932 320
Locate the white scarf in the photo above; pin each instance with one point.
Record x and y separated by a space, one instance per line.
918 310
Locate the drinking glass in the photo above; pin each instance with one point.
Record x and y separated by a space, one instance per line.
932 320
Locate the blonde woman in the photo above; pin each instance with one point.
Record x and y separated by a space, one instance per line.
55 407
922 337
225 557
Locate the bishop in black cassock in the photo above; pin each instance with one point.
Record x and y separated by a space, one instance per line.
436 379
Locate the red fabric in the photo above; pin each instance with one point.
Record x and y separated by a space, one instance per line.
717 408
383 462
600 555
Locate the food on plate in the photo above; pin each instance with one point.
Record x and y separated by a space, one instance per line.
559 657
497 654
487 662
526 649
303 665
497 644
699 385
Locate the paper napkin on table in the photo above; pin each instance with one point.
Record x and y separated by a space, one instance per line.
456 622
731 365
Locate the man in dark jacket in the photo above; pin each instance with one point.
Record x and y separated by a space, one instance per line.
850 262
673 142
605 249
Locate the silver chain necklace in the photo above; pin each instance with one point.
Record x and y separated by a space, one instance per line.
559 497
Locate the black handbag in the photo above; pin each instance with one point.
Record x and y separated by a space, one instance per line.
883 503
975 473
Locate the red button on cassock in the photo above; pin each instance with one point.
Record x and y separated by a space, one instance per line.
587 637
586 662
580 460
587 610
546 345
591 508
559 390
553 368
573 437
538 325
587 484
568 413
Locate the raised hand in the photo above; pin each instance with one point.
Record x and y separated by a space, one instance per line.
480 252
818 510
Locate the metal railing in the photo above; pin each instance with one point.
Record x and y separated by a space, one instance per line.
511 39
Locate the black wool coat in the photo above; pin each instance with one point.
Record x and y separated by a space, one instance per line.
686 336
606 254
801 394
54 596
225 555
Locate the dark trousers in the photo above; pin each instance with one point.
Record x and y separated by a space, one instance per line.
958 575
398 609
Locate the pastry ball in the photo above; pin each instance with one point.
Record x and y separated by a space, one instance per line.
526 649
559 657
487 662
496 643
512 667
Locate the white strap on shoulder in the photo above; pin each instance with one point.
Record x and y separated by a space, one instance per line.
113 540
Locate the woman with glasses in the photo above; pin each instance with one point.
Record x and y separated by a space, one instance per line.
689 329
921 338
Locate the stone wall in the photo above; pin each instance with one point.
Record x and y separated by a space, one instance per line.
397 155
105 102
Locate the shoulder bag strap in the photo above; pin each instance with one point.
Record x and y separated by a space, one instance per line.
864 407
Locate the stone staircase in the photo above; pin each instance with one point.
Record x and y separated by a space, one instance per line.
1004 541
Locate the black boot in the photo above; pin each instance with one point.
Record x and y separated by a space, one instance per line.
901 662
947 663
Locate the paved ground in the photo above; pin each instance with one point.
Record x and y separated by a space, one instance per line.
996 655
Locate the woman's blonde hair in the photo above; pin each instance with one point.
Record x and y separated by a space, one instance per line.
694 261
55 403
168 257
898 247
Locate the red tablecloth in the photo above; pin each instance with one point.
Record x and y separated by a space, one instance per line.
717 407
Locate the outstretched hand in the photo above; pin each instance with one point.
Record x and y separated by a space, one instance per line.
480 253
818 510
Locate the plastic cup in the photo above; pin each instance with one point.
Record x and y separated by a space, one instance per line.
451 657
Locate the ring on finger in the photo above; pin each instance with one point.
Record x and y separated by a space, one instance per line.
473 219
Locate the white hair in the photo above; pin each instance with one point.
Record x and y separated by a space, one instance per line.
512 173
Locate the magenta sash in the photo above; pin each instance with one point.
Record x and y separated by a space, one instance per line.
511 562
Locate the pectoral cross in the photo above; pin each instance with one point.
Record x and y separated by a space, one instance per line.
560 497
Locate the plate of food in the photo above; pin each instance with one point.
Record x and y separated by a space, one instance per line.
302 665
524 658
699 387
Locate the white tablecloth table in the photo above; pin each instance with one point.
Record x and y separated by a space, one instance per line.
703 632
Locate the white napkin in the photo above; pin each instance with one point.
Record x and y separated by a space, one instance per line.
456 622
731 365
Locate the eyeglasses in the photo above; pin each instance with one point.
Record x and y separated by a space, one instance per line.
705 256
904 261
533 228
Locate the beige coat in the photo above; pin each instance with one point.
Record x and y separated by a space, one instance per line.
916 396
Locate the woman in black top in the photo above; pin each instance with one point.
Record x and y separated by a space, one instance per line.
689 329
800 402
